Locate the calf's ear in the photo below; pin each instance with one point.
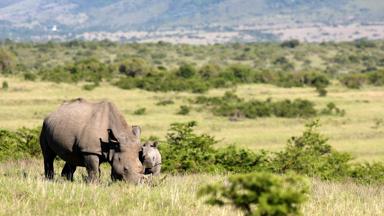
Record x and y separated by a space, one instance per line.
136 130
155 144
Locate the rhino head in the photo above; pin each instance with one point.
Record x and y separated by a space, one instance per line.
123 155
150 157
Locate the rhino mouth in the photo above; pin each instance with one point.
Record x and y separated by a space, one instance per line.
148 171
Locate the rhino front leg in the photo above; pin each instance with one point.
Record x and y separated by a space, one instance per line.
68 171
92 163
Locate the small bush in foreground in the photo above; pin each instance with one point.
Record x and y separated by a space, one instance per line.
260 193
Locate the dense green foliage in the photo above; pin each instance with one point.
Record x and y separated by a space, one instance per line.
23 143
231 105
260 194
167 67
184 151
310 154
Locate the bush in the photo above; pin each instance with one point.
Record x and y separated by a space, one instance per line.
186 71
135 67
140 111
368 173
22 143
90 70
165 102
290 43
332 109
6 61
90 87
29 76
5 85
311 155
353 80
260 193
187 152
230 105
237 160
184 110
376 78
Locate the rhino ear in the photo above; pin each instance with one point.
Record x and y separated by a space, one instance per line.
155 144
136 130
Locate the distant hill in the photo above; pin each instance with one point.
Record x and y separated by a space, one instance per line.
28 19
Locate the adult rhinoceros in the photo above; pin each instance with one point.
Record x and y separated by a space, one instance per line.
87 134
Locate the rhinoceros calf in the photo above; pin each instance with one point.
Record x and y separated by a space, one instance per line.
88 134
150 157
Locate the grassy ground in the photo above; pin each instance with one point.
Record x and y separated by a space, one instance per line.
23 191
360 131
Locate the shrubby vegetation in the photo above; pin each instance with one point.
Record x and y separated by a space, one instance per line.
308 154
260 193
184 151
167 67
231 105
22 143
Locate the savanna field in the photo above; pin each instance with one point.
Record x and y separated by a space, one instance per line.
29 95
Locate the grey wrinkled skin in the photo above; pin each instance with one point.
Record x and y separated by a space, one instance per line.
151 158
88 134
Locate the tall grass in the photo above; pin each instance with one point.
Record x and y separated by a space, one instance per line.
23 191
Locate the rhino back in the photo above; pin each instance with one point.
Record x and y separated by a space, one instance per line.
77 127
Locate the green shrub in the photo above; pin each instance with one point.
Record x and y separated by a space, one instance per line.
22 143
238 160
311 155
260 193
184 110
321 91
290 43
7 61
186 71
5 85
30 76
332 109
165 102
90 70
376 78
140 111
187 152
90 87
135 67
230 104
353 80
368 173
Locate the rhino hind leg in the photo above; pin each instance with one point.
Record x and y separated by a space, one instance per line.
68 171
49 157
92 164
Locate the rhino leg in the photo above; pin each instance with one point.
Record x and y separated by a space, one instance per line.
68 171
92 163
49 157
